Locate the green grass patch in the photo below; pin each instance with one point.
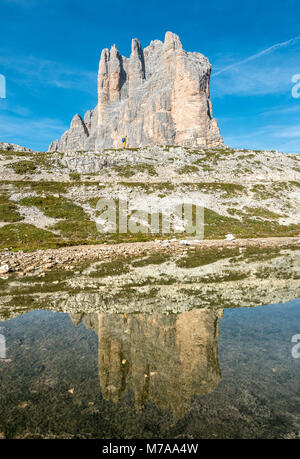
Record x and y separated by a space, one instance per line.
33 162
115 267
187 170
11 153
296 184
53 275
155 259
131 170
217 226
93 201
264 192
56 207
205 257
46 187
278 273
229 189
78 230
146 281
40 187
260 212
74 176
25 236
8 210
23 167
253 254
150 187
212 156
226 276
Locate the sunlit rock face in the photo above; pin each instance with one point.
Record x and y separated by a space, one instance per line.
164 359
159 95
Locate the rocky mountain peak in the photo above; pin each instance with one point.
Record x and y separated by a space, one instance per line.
77 122
159 95
172 41
136 48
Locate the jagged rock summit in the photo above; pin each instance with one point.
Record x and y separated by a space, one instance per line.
159 95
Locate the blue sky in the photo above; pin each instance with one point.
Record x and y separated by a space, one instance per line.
50 49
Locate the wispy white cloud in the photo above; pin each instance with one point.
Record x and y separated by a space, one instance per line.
276 130
289 132
272 76
282 110
35 76
14 109
30 132
32 70
24 3
264 73
258 55
272 136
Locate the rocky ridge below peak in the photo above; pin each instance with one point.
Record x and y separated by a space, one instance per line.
51 198
4 146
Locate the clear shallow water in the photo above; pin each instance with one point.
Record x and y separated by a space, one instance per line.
200 374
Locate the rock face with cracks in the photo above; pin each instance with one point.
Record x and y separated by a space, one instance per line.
159 95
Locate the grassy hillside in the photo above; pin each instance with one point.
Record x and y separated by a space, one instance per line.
49 199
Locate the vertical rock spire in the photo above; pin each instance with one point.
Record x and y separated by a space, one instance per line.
109 79
103 82
172 42
114 74
136 66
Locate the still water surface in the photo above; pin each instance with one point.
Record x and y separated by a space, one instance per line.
204 373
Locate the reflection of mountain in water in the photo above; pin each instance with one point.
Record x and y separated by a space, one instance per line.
166 359
171 285
166 352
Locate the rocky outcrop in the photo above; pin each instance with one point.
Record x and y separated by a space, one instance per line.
159 95
74 138
13 147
